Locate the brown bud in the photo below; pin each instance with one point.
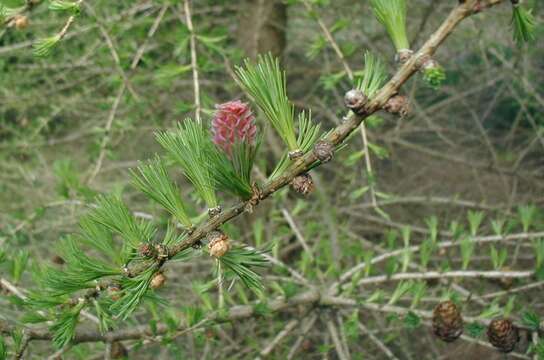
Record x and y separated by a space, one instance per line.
355 100
118 350
403 55
146 250
218 243
20 22
503 334
506 282
57 260
447 321
323 150
214 211
303 184
161 251
158 280
114 291
295 154
397 104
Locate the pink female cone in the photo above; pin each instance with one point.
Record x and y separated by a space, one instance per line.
233 122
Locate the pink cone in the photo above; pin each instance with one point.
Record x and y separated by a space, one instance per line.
233 122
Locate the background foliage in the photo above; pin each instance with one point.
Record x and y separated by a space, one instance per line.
466 164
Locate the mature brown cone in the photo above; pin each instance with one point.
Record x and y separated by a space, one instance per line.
303 184
447 321
323 151
218 243
398 104
118 350
20 21
158 280
503 334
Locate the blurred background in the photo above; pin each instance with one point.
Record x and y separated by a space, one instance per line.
73 124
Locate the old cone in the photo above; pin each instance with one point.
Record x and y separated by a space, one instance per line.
158 280
503 334
447 321
397 104
323 151
20 22
303 184
218 244
118 350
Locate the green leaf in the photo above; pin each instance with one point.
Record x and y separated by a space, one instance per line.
43 47
524 24
374 75
115 216
64 328
240 261
467 249
530 319
133 290
475 330
434 76
62 5
232 172
153 180
392 15
78 272
526 215
18 264
412 321
189 146
265 83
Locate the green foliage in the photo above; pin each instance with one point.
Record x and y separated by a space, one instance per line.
526 215
232 172
18 264
44 47
115 215
63 5
190 145
98 237
498 257
411 320
374 75
78 271
64 327
474 220
265 83
434 76
3 349
153 180
531 320
104 316
475 330
240 261
134 289
308 133
392 15
524 24
467 249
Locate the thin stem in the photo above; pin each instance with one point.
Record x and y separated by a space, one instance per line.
194 64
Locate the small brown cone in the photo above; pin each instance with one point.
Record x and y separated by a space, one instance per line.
303 184
20 22
218 243
118 350
397 104
503 334
447 321
323 151
158 280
